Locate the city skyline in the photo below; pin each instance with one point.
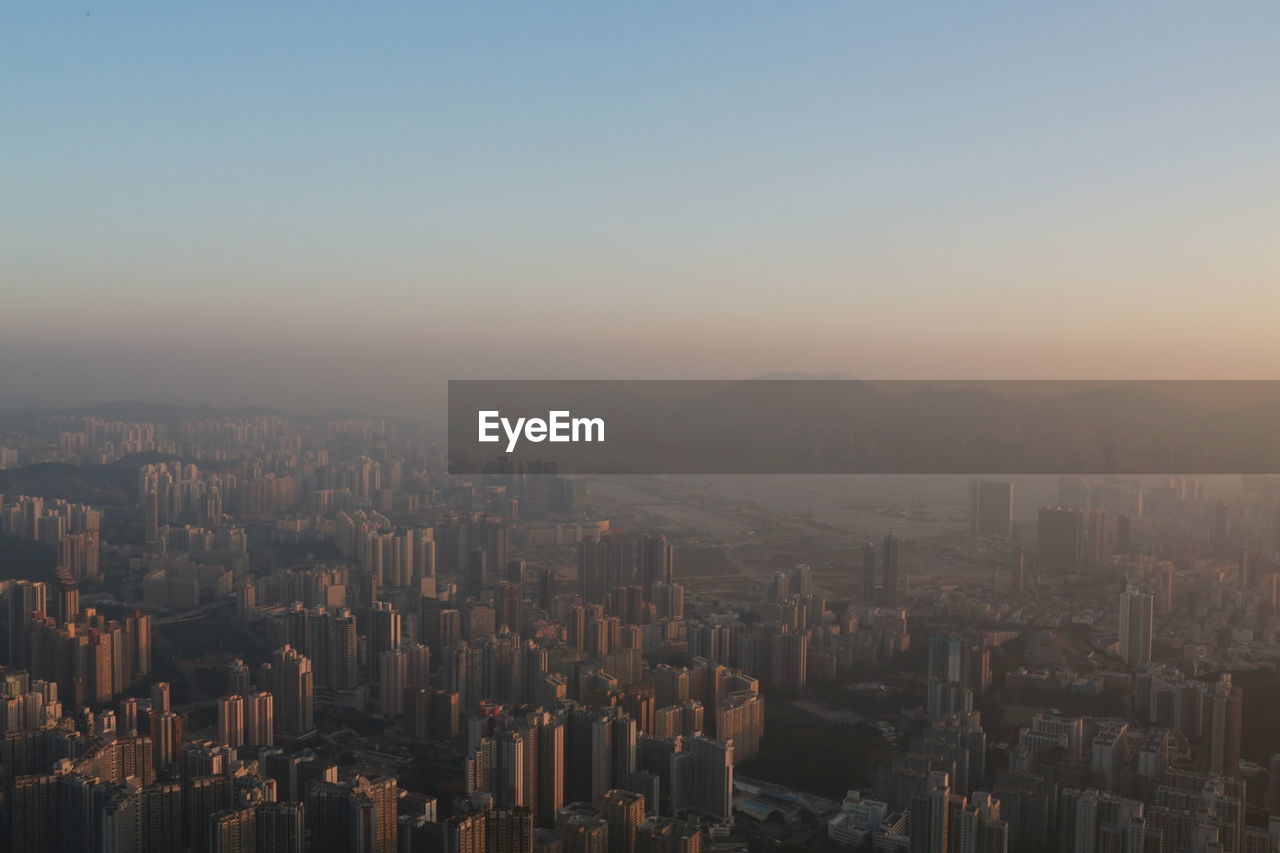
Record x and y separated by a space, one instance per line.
242 631
677 427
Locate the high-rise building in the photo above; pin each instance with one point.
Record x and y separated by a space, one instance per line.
622 749
432 714
655 560
160 816
393 679
991 508
231 718
704 784
508 830
160 699
233 831
624 811
588 753
294 691
508 599
136 653
1221 716
1097 537
958 670
581 829
1018 571
802 579
343 651
1091 819
358 815
26 599
1060 539
166 738
869 573
294 774
932 810
237 678
1124 534
1136 616
259 719
1273 784
464 833
505 766
68 600
550 738
384 635
740 718
32 813
789 659
604 565
889 557
280 827
979 827
960 742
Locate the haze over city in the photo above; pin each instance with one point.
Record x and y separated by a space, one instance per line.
328 207
273 581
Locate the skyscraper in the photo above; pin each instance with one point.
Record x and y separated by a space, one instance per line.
1060 539
706 789
231 715
602 566
1124 534
393 678
1018 571
551 768
655 560
26 598
979 828
1136 613
505 766
294 689
384 635
280 827
509 606
949 688
233 831
356 815
890 560
931 813
160 700
343 646
869 573
237 678
166 737
259 719
623 811
991 508
1221 717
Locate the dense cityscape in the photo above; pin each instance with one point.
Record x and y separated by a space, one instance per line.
250 632
648 427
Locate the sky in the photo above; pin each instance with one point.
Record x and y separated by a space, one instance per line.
340 205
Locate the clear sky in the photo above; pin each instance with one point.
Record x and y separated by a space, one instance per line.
326 204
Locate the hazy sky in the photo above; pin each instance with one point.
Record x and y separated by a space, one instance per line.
339 204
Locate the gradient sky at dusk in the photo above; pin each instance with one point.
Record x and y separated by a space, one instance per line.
321 205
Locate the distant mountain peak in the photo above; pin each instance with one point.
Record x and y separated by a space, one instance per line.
800 374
